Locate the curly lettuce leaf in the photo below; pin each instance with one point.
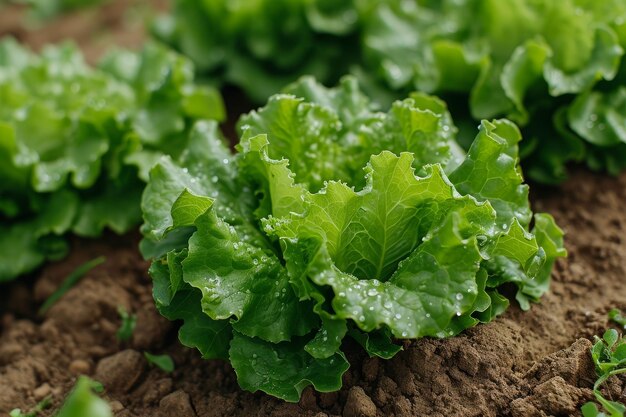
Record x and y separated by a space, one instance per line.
520 59
241 44
284 256
284 370
77 143
526 60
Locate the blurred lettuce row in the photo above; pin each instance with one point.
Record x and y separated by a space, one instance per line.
553 67
50 8
333 220
263 45
77 143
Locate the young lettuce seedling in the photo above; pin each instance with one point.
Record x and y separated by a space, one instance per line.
609 357
616 316
163 362
129 321
83 401
41 406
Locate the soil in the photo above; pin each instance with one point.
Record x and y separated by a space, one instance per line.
94 30
534 363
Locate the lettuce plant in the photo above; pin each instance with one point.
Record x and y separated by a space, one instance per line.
76 143
609 357
333 220
263 45
553 67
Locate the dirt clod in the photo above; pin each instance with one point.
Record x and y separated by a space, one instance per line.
359 404
80 367
553 397
151 329
42 391
116 406
177 404
120 372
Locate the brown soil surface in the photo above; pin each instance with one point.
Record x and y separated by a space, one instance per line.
116 22
524 364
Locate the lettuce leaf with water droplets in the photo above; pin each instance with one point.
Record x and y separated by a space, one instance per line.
527 60
289 248
77 143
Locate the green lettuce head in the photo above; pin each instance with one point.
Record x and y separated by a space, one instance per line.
77 143
555 68
333 220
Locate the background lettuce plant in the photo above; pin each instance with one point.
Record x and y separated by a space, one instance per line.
333 220
555 68
263 45
51 8
76 143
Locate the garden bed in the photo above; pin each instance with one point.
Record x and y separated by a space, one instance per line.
534 363
523 364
